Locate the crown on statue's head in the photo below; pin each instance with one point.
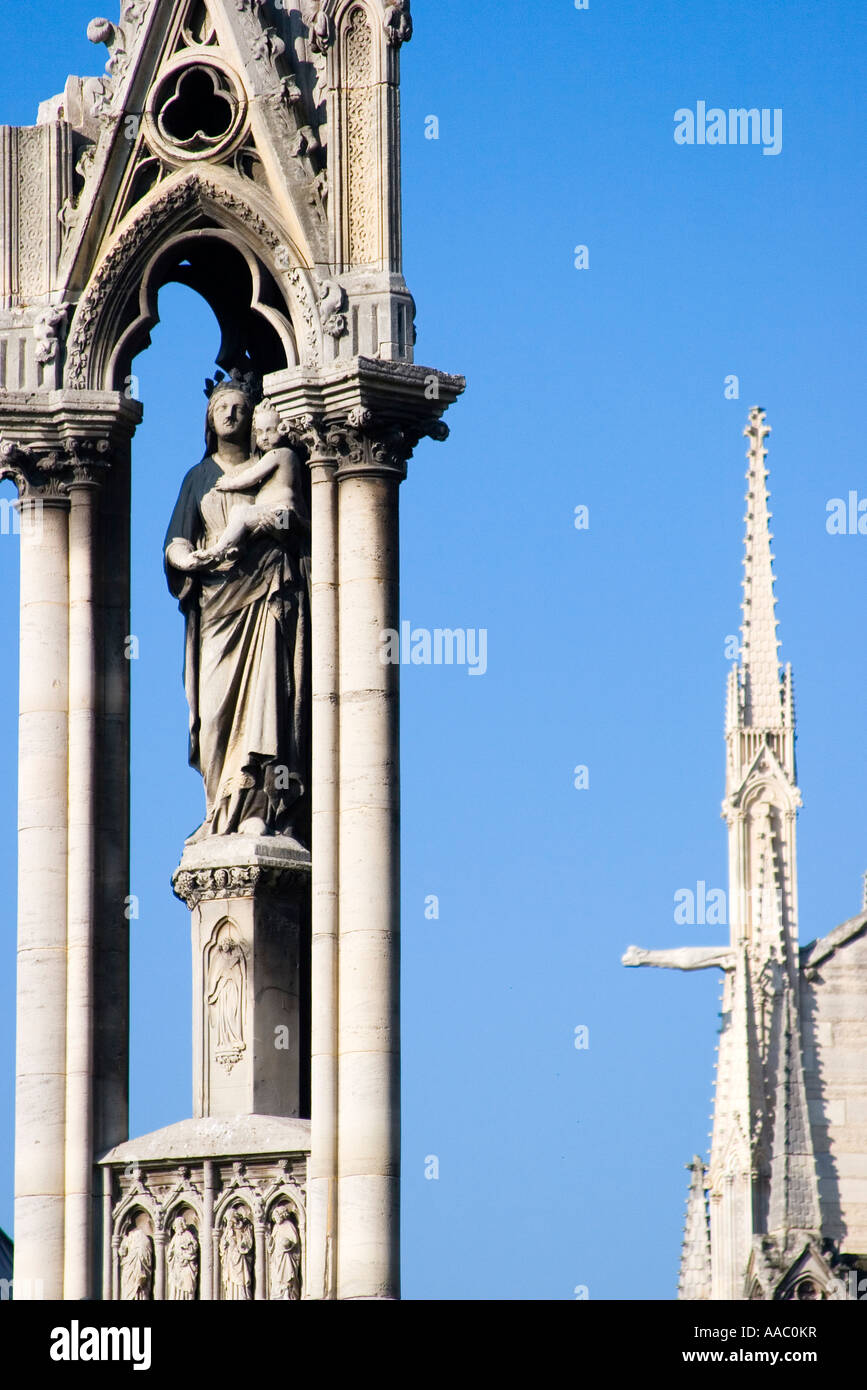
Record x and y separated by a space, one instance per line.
248 382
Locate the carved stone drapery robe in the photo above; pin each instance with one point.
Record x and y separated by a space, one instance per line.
236 1247
285 1261
136 1266
246 669
227 997
182 1261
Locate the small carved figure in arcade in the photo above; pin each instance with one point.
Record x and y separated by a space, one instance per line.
137 1261
236 1257
284 1249
182 1260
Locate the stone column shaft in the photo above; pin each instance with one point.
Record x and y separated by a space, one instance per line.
369 965
160 1240
206 1236
79 1214
40 1101
106 1234
259 1265
322 1182
111 947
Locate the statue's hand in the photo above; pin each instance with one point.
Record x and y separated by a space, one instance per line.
192 561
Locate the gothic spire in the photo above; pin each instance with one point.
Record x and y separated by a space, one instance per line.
762 694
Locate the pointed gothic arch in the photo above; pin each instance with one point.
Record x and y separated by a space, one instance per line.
767 785
191 214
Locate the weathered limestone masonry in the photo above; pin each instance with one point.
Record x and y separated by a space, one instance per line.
252 152
780 1212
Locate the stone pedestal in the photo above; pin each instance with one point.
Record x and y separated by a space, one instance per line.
250 903
189 1185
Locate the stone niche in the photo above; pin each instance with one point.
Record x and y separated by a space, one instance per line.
185 1219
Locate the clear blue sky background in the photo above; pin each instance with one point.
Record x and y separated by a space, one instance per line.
604 387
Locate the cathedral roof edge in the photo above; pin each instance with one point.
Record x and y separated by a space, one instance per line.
825 946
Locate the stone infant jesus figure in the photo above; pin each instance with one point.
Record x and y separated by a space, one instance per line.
277 497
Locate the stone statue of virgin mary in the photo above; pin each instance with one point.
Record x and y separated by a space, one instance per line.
247 659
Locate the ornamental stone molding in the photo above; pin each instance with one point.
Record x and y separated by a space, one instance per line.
239 866
204 885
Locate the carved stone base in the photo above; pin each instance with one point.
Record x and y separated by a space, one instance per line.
250 903
207 1209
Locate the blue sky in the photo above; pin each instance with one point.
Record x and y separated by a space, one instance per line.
603 387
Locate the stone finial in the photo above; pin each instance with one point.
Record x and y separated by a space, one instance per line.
321 31
398 23
101 31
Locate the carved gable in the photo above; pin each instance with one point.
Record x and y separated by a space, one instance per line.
212 123
191 84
